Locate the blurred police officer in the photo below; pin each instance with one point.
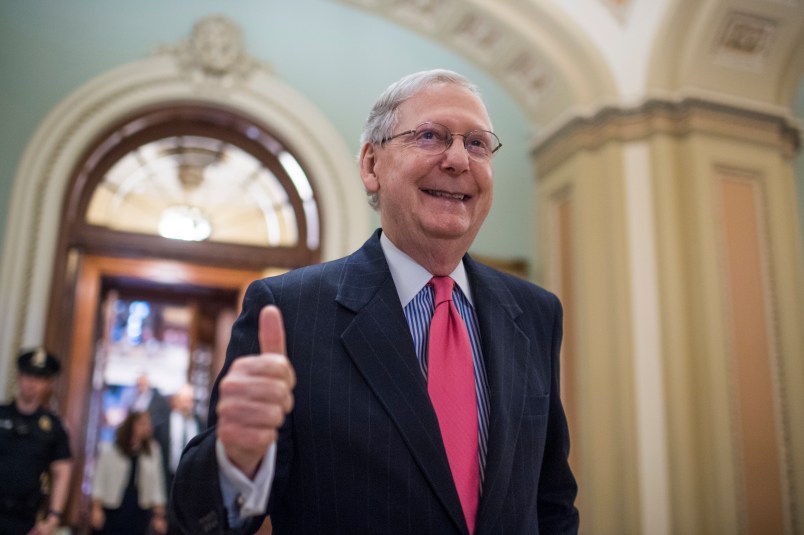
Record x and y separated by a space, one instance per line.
33 443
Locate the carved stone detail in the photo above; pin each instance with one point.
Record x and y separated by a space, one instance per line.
419 8
482 34
528 76
477 34
666 117
746 40
213 52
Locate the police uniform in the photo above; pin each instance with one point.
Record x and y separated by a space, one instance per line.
29 443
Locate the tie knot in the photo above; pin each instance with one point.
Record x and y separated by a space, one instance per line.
443 289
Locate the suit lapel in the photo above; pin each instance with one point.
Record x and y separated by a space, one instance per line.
505 350
379 343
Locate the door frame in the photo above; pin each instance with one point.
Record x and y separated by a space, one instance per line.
85 297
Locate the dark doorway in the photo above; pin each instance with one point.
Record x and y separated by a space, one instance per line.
168 319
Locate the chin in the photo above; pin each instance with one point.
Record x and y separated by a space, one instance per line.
453 233
447 232
447 225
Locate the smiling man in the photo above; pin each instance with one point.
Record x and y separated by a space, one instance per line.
405 388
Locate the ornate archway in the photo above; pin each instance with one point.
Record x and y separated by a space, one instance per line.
208 69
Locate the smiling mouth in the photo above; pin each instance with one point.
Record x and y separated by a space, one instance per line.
447 195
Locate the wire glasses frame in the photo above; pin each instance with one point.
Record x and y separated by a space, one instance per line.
435 138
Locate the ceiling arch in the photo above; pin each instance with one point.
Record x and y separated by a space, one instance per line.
747 49
534 49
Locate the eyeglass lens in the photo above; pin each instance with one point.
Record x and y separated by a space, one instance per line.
434 137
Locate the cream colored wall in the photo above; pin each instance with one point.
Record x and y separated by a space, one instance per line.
701 375
689 147
604 433
697 376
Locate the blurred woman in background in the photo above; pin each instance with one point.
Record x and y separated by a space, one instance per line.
128 490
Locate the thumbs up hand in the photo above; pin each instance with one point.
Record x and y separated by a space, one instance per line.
255 396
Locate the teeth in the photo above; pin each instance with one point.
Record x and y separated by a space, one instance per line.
456 196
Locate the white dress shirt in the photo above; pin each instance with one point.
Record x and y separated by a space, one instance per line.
181 431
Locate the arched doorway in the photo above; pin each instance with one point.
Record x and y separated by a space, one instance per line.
249 208
63 266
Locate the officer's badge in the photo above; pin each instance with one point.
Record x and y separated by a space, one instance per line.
39 358
45 423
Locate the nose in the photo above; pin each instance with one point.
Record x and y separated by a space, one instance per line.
456 157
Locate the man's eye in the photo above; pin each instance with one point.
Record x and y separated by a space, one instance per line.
428 135
477 141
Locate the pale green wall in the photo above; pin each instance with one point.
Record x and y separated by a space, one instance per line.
339 57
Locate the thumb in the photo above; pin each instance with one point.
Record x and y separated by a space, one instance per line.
272 330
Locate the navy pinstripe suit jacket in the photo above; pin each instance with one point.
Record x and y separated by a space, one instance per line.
361 452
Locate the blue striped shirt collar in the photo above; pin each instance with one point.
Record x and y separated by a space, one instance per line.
409 277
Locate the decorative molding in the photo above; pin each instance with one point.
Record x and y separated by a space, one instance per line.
482 35
479 34
658 116
414 12
745 41
769 284
213 54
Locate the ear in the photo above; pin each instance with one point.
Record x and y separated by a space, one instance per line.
368 163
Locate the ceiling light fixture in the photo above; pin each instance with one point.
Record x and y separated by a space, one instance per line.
183 222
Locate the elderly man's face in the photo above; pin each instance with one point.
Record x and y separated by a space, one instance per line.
428 198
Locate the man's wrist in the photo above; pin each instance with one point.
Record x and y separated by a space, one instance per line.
53 517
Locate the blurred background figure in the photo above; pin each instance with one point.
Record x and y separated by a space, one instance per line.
176 431
150 400
33 447
128 490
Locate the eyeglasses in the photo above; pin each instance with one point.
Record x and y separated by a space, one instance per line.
435 138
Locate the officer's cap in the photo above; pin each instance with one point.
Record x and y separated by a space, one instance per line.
38 362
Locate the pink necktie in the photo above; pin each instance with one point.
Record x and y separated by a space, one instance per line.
451 384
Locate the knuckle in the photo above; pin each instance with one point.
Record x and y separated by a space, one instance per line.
271 416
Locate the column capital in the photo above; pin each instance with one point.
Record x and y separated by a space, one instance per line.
659 115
